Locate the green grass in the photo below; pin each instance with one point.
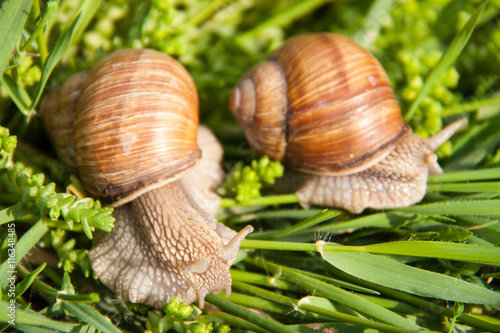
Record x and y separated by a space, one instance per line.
430 267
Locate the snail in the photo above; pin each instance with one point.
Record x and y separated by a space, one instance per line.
132 126
324 106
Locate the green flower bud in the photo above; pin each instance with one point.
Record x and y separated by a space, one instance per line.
9 143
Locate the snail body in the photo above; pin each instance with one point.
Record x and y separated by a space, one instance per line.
324 106
134 137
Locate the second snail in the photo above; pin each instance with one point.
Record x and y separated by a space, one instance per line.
324 106
130 127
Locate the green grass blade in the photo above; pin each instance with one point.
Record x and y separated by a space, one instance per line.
339 295
49 12
471 106
393 274
378 220
458 207
34 319
27 241
469 175
28 281
466 187
12 213
323 307
453 251
444 250
257 319
19 96
87 314
447 59
65 40
298 227
11 27
262 201
369 32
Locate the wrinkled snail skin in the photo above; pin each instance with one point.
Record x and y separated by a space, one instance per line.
190 252
324 106
183 257
203 180
133 124
398 180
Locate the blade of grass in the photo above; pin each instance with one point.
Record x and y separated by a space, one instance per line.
19 96
80 20
445 250
469 175
378 220
369 32
27 241
259 303
14 16
49 11
253 317
446 60
16 212
262 201
28 281
423 304
234 321
459 207
323 307
428 249
471 106
410 279
297 228
338 295
34 319
87 314
466 187
276 214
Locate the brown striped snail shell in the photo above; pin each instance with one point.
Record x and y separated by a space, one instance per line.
324 106
133 126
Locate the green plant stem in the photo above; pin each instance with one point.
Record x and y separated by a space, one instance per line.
262 201
471 106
